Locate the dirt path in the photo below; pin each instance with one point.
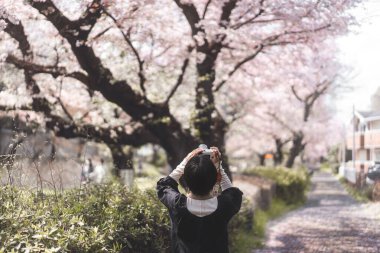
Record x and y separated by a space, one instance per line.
331 221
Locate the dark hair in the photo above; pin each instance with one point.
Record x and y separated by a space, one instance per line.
200 174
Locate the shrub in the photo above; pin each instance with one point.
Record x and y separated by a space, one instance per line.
106 218
98 219
240 227
291 184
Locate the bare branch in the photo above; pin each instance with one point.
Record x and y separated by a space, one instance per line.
70 129
312 97
308 30
109 135
205 10
261 21
267 42
17 32
275 117
162 52
227 9
64 108
250 20
311 9
55 71
296 94
191 15
180 77
7 108
66 27
238 65
101 33
134 50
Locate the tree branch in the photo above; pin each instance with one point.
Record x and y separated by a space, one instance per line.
111 135
180 77
206 7
134 50
155 117
101 33
267 42
17 32
250 20
238 65
274 116
227 9
296 94
191 15
55 71
64 109
69 129
100 77
311 98
6 108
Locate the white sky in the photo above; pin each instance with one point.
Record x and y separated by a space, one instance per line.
360 50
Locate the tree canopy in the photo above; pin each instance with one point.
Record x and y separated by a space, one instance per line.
174 73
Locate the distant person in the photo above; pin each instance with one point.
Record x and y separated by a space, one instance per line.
199 220
99 173
86 170
139 167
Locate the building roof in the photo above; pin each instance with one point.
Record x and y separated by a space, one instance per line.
368 115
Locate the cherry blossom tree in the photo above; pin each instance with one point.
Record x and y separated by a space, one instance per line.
298 116
135 72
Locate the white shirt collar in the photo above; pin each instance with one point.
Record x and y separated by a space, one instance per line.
202 208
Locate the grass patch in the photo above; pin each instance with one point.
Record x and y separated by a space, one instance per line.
363 195
326 167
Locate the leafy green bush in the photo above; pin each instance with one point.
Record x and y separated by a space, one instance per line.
98 219
291 184
105 218
240 227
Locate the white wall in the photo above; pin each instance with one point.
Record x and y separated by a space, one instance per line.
376 155
375 124
361 155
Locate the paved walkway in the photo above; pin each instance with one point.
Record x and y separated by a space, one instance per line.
331 221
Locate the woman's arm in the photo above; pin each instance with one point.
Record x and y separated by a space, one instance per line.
167 188
168 193
225 181
179 170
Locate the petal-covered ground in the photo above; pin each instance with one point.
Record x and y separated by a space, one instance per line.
331 221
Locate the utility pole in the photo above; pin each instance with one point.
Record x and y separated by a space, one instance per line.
353 136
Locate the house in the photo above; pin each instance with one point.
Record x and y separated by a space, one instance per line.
364 139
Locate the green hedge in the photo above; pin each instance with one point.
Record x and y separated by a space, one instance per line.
99 219
105 218
291 184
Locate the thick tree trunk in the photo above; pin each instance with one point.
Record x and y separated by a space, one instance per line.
279 155
155 156
122 158
295 150
123 164
261 159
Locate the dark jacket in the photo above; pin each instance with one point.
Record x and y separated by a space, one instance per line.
193 234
